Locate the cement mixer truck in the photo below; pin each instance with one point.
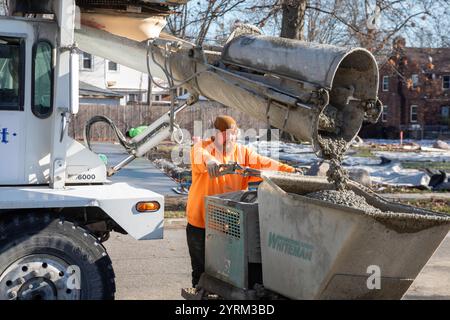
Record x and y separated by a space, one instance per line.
57 205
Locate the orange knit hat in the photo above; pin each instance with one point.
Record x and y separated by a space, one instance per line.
223 123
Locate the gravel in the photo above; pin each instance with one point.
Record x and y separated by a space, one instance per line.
345 198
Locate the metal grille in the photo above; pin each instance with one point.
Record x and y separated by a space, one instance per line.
224 219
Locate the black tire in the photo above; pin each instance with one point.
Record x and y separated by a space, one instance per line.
33 236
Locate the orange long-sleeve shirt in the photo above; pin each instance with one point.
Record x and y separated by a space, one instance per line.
203 185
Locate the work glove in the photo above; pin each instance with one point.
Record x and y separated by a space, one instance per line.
213 167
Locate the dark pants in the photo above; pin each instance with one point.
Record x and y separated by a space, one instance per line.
196 244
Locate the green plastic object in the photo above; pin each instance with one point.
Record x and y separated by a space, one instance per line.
103 157
133 132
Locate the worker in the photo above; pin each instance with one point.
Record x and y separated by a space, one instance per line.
206 157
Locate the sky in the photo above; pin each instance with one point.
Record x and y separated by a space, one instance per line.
426 33
426 30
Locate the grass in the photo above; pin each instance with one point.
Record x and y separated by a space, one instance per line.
364 153
395 189
437 165
175 207
438 205
175 214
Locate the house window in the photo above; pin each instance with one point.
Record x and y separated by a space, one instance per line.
384 114
112 66
181 91
157 97
413 113
415 81
446 82
386 83
134 97
87 61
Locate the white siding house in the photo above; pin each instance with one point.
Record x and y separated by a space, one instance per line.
129 83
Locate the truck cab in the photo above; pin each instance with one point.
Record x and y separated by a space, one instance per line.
27 66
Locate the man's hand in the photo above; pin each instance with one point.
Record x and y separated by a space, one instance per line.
213 167
298 171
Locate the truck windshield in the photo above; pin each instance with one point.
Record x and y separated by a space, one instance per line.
10 74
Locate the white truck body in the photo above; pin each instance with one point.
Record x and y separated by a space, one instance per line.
40 165
118 200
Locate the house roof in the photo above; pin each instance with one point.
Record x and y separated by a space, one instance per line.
88 90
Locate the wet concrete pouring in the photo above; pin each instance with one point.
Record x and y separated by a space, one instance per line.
333 151
333 148
409 220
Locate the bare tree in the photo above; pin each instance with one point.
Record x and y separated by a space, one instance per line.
3 7
195 19
293 17
369 23
177 22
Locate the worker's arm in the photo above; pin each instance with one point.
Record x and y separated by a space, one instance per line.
257 161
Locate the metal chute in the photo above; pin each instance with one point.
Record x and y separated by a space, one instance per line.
294 94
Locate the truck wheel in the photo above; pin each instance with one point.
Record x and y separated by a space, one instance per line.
43 258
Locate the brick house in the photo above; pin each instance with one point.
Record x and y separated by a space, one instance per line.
415 90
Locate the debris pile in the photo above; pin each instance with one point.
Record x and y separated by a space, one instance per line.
439 144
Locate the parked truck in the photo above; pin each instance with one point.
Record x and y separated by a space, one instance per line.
57 205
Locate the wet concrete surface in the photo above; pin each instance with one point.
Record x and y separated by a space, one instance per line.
344 198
